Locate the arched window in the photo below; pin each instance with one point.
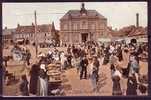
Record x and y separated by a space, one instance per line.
84 26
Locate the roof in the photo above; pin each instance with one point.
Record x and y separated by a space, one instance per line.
129 31
44 28
31 29
117 34
114 33
138 31
77 14
25 29
8 31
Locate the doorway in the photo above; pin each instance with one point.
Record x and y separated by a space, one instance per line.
84 37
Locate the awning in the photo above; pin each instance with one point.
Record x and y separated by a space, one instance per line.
20 40
119 40
104 40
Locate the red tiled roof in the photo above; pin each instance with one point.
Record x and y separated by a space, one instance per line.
31 29
44 28
114 33
118 34
138 31
25 29
128 31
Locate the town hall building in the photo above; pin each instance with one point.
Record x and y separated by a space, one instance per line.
83 25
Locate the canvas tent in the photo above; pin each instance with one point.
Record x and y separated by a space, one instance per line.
104 40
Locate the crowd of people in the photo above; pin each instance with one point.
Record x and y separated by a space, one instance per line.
113 54
86 58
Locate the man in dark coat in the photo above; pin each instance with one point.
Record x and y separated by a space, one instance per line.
83 64
69 58
6 59
28 57
131 85
120 55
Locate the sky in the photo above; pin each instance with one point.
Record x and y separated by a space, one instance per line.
118 14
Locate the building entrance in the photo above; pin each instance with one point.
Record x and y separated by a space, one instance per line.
84 37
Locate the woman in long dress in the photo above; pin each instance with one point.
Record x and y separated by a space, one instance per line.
131 85
62 56
34 73
93 75
116 76
43 80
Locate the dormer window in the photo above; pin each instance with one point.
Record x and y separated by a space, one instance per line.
83 14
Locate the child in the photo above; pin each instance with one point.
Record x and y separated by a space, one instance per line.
24 86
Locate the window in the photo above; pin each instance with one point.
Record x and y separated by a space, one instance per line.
93 26
65 26
102 34
75 26
84 25
75 39
102 26
20 36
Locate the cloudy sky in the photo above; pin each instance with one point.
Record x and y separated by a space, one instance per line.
118 14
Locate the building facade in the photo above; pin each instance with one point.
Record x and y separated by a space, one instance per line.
44 33
7 36
78 26
140 35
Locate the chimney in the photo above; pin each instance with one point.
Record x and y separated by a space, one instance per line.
53 27
32 24
18 25
137 20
